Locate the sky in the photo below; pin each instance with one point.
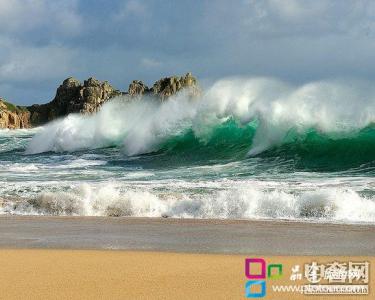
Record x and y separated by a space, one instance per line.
42 42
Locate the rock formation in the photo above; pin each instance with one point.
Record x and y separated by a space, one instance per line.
92 96
165 87
137 88
74 97
13 117
169 86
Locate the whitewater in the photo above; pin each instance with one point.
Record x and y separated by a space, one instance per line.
246 148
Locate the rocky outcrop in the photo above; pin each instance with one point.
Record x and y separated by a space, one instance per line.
93 95
166 87
13 117
74 97
169 86
137 88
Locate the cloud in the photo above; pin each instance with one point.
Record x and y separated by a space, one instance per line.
296 17
13 15
31 63
133 8
297 10
25 16
42 42
150 63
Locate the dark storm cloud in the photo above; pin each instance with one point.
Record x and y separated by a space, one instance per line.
42 42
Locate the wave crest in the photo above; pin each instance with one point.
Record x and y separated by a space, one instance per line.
273 109
328 204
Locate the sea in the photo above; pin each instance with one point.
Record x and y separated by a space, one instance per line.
246 148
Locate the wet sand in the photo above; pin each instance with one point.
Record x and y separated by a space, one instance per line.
187 235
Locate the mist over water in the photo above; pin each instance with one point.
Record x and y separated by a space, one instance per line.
246 148
277 108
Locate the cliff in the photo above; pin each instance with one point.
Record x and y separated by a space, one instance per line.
13 117
74 97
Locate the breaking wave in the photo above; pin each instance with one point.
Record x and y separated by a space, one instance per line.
328 204
321 124
246 148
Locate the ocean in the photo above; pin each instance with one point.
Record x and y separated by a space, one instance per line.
247 148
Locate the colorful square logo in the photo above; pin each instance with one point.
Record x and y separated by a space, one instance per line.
251 284
251 264
255 270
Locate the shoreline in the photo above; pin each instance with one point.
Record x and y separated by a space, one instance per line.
192 220
212 236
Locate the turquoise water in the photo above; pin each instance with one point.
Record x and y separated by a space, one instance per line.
200 159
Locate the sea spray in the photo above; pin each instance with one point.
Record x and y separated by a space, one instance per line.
328 204
142 126
247 148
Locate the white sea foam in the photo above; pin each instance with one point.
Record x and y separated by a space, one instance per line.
244 202
52 184
18 132
141 126
17 167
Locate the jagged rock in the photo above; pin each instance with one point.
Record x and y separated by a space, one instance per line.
165 87
59 106
92 96
169 86
13 117
73 97
66 92
137 88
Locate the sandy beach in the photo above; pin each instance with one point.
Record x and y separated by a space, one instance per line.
92 274
83 274
139 258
